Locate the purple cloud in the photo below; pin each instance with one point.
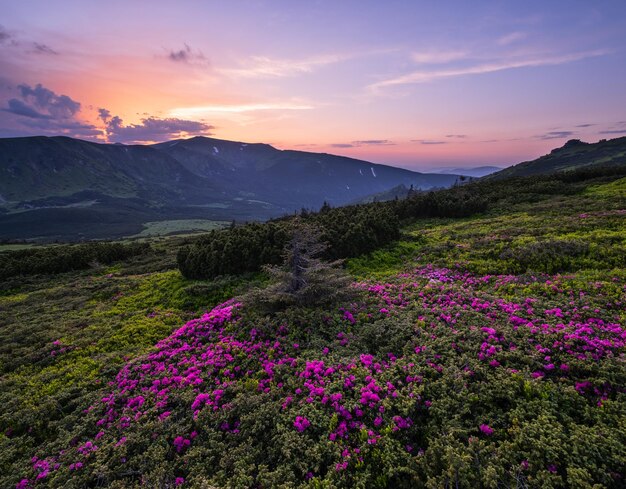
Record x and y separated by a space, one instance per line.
40 111
365 142
556 135
4 35
104 114
18 107
373 142
427 141
56 106
39 48
185 55
152 129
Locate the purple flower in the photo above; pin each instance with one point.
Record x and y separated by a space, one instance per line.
486 429
301 423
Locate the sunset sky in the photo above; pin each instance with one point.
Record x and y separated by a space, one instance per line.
413 84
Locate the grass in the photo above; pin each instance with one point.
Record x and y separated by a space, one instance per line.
64 337
161 228
13 247
491 243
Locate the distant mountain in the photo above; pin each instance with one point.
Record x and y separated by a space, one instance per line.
293 178
479 171
573 154
64 188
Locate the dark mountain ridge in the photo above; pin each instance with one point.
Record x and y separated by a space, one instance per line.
64 188
572 155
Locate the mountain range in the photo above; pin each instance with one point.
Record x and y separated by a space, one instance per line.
59 188
64 188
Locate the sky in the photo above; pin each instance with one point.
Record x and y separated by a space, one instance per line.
417 84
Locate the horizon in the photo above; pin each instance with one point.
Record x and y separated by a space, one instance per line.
413 86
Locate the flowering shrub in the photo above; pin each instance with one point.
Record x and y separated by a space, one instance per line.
453 374
481 380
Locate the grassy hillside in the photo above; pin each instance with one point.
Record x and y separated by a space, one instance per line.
477 351
574 154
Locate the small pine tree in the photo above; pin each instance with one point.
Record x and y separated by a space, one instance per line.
304 279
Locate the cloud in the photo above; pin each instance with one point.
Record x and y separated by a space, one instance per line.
613 131
29 47
42 103
185 55
556 135
456 136
40 111
40 48
365 142
18 107
585 125
428 141
236 108
424 76
511 38
264 67
437 56
374 142
65 127
104 115
56 106
152 129
5 37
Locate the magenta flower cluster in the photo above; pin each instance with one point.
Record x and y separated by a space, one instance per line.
363 398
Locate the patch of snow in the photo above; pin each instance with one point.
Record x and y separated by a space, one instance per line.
347 187
360 171
174 143
215 150
373 172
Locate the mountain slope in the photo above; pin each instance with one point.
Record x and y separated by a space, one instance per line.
64 188
573 154
301 178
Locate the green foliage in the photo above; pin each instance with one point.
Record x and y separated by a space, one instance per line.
59 259
64 337
349 231
578 227
304 279
77 329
